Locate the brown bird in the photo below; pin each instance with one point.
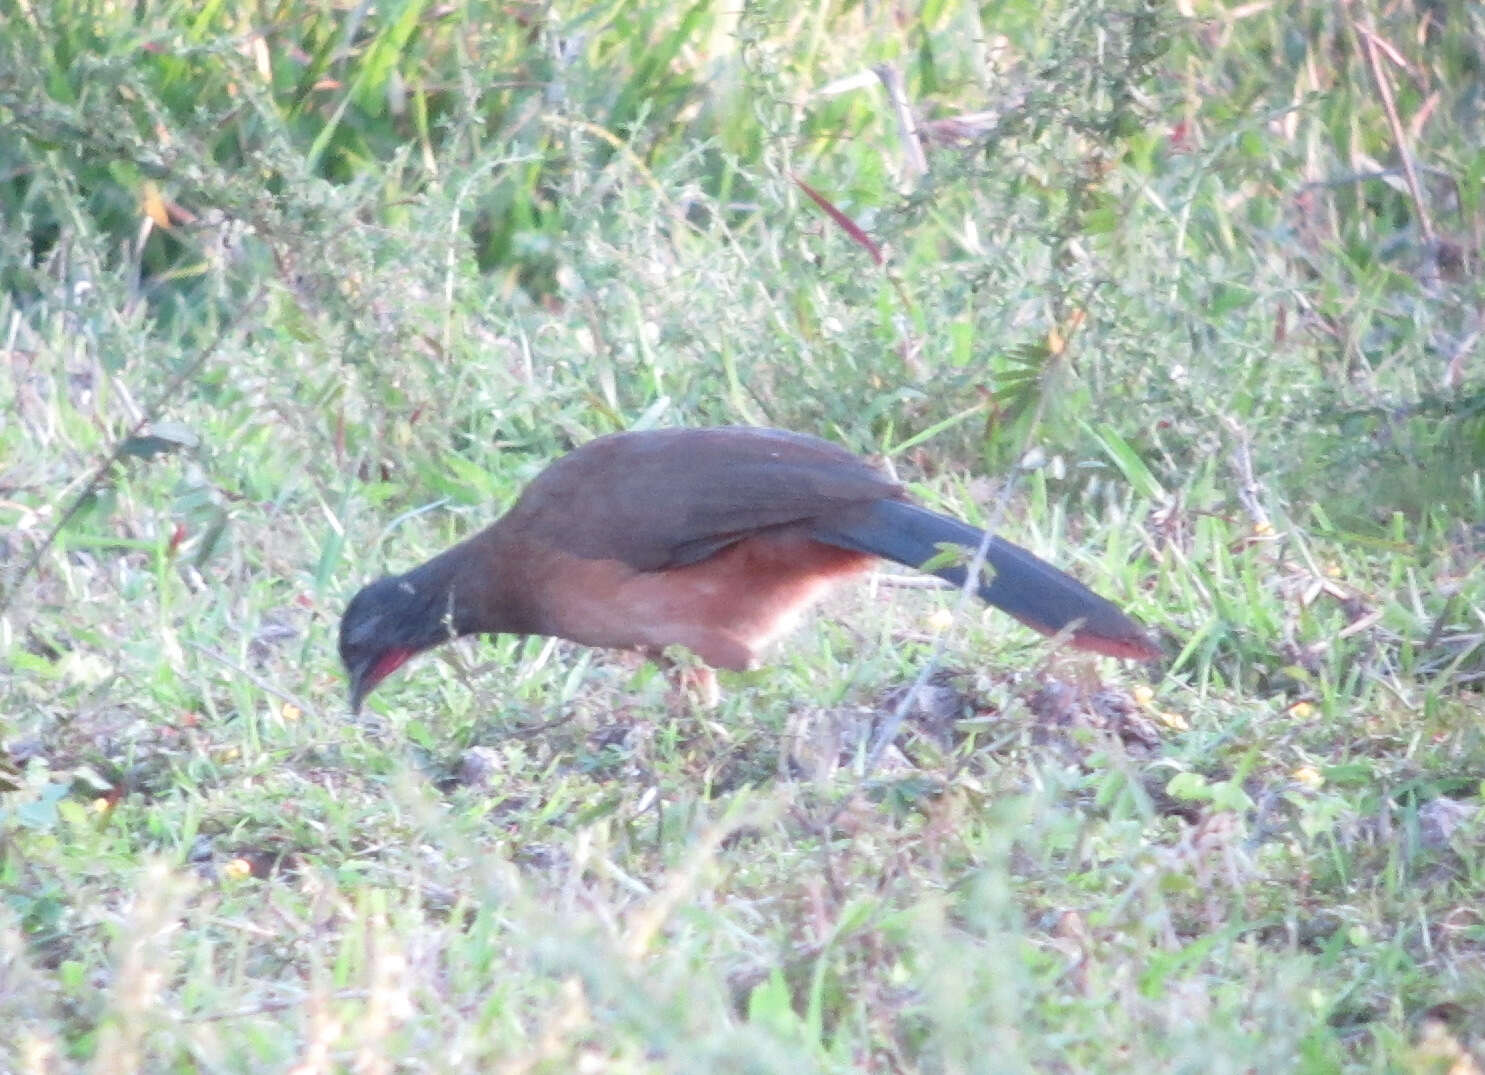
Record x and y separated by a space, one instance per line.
711 539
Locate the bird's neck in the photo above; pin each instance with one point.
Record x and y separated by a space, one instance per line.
464 590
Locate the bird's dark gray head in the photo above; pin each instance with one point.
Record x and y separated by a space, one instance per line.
387 622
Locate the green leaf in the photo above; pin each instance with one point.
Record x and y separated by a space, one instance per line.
948 555
1104 216
1229 795
1227 298
41 813
1355 774
418 732
387 50
1189 786
770 1005
1129 463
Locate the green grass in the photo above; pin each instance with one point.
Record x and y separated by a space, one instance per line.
400 260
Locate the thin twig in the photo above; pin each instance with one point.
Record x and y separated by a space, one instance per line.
915 163
1384 88
268 1007
146 417
1249 491
526 731
893 724
258 681
912 582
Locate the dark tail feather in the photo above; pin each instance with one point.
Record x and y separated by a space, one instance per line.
1024 585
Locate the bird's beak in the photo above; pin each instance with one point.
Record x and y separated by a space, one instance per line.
360 688
368 673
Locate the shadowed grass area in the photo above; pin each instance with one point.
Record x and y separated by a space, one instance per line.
295 296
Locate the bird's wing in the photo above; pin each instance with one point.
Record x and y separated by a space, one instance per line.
667 498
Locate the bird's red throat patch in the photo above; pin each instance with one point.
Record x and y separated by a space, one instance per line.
386 664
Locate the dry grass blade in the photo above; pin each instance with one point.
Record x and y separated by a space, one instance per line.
1372 47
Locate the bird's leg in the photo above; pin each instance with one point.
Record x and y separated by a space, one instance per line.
696 684
692 685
